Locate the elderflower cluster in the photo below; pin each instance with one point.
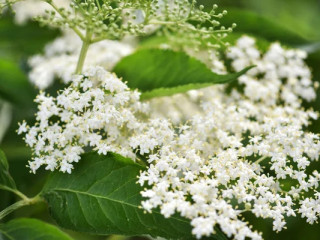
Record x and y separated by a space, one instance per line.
61 56
276 64
243 151
263 82
96 111
233 151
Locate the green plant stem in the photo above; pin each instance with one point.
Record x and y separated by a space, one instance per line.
82 57
15 191
20 204
83 53
260 159
86 40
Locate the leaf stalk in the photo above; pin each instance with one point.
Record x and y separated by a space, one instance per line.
15 191
20 204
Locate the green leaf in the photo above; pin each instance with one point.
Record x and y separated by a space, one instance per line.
301 17
14 85
5 177
102 197
161 92
25 40
151 69
17 43
252 23
30 229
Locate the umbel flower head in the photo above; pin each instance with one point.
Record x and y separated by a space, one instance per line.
244 151
237 154
97 110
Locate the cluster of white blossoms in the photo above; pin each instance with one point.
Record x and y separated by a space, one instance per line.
61 56
276 64
247 151
96 111
240 150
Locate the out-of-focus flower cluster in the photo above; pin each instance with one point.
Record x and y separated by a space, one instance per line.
27 10
60 59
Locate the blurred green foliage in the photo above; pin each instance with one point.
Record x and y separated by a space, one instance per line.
299 16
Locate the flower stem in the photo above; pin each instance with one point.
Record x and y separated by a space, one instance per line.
15 191
20 204
82 57
261 159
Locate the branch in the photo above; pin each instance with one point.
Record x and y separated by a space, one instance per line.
15 191
20 204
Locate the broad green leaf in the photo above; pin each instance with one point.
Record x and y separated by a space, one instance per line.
14 85
299 16
16 44
102 197
5 177
161 92
252 23
151 69
30 229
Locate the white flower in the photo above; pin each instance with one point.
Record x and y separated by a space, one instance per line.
202 226
22 128
219 152
238 145
86 116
